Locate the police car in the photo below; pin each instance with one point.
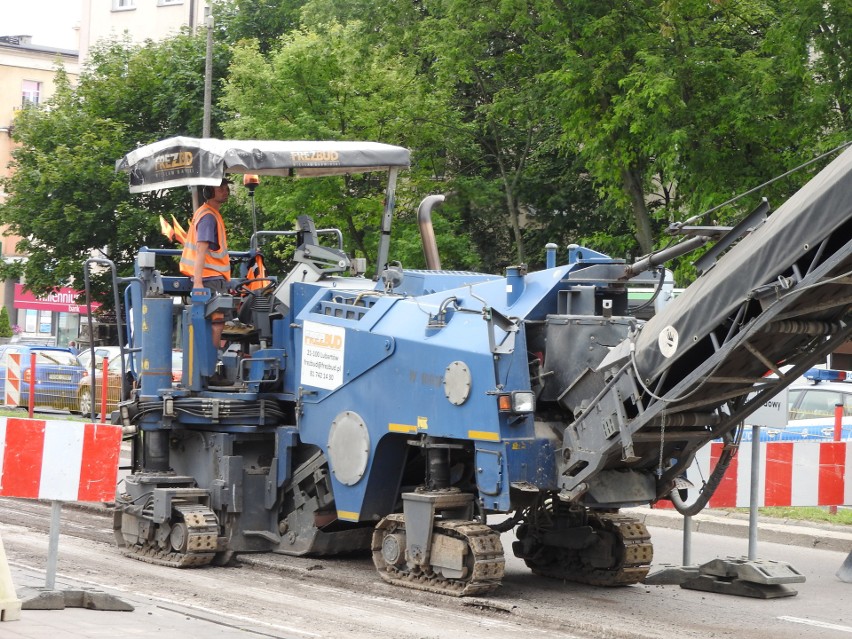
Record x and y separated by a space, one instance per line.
812 402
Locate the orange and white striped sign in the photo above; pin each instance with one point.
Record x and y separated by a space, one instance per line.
13 380
800 473
58 460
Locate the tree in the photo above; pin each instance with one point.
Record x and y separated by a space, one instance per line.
490 54
484 58
5 324
64 198
326 84
264 21
676 106
542 120
813 46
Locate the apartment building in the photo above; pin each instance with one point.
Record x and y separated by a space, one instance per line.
27 72
140 19
27 76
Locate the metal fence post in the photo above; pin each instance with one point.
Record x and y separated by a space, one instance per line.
53 545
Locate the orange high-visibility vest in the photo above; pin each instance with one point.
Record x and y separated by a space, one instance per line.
256 274
216 263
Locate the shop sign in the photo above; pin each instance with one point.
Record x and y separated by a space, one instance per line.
63 300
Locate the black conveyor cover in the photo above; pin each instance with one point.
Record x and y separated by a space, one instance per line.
818 209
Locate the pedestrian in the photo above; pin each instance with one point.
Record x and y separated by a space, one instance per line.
205 252
73 346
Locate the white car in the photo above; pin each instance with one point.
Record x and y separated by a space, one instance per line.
812 401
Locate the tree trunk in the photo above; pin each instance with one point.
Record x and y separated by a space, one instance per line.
632 182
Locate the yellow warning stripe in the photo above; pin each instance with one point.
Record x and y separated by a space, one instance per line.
484 435
402 428
348 515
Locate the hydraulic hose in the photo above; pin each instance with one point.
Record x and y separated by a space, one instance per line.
710 486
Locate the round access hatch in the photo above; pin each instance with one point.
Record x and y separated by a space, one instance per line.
348 447
457 383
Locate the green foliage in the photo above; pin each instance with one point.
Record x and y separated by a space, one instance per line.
490 55
64 197
5 324
676 106
590 122
321 87
457 249
494 134
262 20
842 517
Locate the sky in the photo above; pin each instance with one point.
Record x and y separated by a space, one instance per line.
50 22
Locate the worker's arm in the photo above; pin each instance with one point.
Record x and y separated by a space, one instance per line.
201 249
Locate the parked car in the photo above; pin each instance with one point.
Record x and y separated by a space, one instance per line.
114 371
112 353
811 405
57 375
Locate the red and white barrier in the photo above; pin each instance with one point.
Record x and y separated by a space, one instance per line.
13 380
801 473
58 460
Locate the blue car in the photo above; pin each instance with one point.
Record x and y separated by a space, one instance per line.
57 375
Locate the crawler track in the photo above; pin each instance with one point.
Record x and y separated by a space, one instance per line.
631 547
193 540
485 563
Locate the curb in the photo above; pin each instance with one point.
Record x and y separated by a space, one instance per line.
821 536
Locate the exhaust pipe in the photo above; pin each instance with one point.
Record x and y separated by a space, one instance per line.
427 232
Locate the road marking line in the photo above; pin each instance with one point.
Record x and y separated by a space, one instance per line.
818 624
175 603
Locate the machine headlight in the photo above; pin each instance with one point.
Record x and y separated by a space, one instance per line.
517 402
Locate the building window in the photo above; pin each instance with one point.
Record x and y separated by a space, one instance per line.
165 3
123 5
45 322
30 92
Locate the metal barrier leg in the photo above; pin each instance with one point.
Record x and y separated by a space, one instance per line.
754 492
51 598
53 544
687 540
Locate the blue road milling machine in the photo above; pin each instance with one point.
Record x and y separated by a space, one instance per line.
422 413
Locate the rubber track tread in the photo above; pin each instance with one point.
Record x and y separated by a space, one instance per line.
201 524
484 543
637 555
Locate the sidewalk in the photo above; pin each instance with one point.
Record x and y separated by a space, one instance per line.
149 618
734 524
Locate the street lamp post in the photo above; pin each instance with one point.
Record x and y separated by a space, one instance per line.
208 70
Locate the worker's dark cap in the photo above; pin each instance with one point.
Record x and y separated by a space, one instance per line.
226 180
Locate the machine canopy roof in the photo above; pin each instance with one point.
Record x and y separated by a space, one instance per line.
182 161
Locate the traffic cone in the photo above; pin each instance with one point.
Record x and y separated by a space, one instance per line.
845 571
10 605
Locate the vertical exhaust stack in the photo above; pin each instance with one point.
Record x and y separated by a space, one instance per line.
550 252
515 283
427 232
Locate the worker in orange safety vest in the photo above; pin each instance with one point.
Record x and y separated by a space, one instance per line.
205 252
